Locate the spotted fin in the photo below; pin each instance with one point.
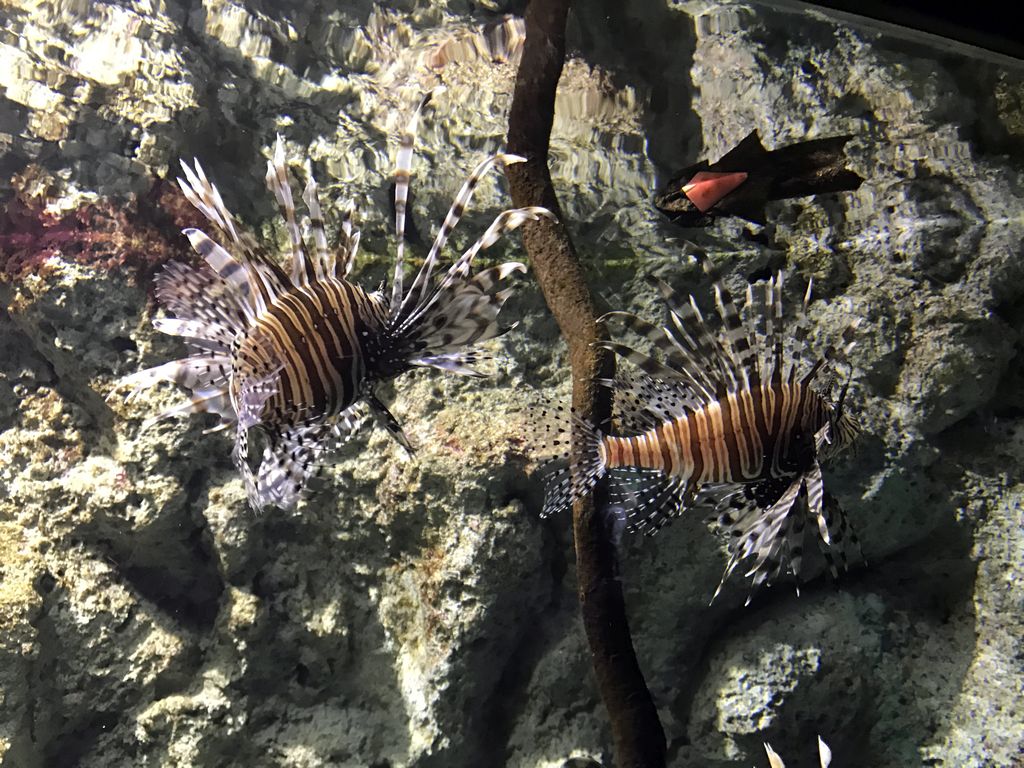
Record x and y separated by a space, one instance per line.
642 402
650 498
566 476
766 523
290 460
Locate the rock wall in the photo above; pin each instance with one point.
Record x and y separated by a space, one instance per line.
416 612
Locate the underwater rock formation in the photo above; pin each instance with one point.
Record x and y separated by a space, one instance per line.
416 613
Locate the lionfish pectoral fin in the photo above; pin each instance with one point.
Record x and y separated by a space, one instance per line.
253 395
815 491
753 532
189 372
240 458
455 362
216 401
840 531
347 424
287 465
386 420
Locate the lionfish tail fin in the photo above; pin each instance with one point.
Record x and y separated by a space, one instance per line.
572 455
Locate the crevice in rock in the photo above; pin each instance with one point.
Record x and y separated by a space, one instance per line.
53 733
497 717
171 562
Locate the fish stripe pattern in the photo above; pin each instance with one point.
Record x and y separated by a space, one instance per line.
295 352
731 415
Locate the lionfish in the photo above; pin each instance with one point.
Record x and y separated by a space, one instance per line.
298 352
732 417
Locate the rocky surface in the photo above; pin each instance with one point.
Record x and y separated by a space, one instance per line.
416 613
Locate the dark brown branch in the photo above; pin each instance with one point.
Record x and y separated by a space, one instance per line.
639 740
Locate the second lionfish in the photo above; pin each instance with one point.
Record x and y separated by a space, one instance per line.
737 414
297 350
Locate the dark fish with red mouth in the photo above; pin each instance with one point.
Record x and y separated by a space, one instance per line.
742 182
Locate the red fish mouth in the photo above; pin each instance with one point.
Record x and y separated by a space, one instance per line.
707 188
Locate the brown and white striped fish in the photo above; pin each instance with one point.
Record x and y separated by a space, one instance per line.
297 351
737 413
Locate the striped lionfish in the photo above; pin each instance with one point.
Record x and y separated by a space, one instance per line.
732 416
298 352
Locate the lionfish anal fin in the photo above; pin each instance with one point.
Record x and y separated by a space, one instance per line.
707 188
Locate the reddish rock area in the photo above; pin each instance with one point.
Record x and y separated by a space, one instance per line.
136 237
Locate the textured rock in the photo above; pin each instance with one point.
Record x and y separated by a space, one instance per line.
415 612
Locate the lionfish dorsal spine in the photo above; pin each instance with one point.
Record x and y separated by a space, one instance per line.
349 246
205 198
323 261
403 174
434 300
421 284
303 271
738 339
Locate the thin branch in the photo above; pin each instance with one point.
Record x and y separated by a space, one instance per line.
639 740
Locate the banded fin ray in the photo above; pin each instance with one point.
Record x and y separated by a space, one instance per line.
403 174
302 271
349 245
460 309
651 499
420 286
692 333
214 400
197 372
323 261
203 295
255 275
